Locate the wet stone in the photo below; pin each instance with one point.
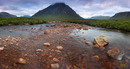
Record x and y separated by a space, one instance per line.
89 43
21 61
100 41
55 66
1 48
59 47
46 44
46 32
115 53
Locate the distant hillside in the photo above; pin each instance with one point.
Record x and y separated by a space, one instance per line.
5 14
122 16
57 11
26 16
100 17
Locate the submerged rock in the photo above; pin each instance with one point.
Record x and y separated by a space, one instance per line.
59 47
95 58
1 48
100 41
55 66
115 53
46 32
52 25
46 44
39 50
89 43
21 61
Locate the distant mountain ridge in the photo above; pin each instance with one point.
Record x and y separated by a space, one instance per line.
26 16
122 16
57 11
100 17
5 14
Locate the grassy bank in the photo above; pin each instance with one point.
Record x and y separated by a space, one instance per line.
20 21
113 24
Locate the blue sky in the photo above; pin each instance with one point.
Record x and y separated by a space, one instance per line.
85 8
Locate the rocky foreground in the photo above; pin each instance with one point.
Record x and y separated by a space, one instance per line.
57 49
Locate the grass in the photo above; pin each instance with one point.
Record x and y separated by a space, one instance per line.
20 21
113 24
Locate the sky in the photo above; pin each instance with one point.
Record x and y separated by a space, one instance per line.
85 8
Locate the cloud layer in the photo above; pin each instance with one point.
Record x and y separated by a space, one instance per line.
85 8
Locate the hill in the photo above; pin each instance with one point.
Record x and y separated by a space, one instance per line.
57 11
5 14
100 17
122 16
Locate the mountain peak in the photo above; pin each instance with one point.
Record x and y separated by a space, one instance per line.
57 11
59 3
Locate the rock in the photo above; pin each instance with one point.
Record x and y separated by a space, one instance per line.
34 28
47 25
115 53
100 41
21 61
58 51
39 50
46 44
55 66
89 43
95 58
1 48
46 32
10 30
59 47
55 59
52 25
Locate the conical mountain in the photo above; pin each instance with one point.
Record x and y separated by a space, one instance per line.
57 11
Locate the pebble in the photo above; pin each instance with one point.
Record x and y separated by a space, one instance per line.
10 30
95 58
21 61
39 50
55 66
46 44
46 32
59 47
1 48
89 43
55 59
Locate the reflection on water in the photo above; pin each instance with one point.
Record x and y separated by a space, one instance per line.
115 37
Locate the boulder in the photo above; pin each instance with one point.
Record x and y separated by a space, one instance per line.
100 41
115 53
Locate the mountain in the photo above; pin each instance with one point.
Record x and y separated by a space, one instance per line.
100 17
57 11
122 16
26 16
5 14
